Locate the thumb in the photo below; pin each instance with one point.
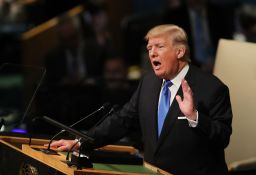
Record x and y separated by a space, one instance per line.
178 98
63 148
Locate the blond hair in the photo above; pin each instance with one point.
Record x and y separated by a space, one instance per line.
176 33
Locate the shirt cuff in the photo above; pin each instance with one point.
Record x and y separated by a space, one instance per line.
193 123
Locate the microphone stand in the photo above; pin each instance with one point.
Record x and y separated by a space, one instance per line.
80 161
49 151
72 147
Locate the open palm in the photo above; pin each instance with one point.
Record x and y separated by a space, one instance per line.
187 103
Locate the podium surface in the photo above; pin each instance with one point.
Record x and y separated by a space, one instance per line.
19 154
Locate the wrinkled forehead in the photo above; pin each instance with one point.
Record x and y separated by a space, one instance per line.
159 39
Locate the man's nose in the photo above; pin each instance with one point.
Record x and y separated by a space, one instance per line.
152 52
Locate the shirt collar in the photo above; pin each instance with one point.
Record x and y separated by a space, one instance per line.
176 81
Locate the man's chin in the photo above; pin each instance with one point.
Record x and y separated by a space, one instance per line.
159 74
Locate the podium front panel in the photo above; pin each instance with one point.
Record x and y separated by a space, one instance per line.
12 161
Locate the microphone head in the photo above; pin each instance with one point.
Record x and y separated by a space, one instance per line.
35 119
113 109
106 106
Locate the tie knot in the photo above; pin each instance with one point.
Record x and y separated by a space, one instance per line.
166 86
167 83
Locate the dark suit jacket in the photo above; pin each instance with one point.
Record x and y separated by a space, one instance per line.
180 149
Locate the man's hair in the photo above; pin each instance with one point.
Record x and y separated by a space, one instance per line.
176 33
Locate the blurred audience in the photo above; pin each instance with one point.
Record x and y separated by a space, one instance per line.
12 24
143 6
98 38
205 21
66 64
115 73
52 8
12 16
247 21
75 68
84 46
116 86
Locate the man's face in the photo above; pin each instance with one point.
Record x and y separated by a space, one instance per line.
163 57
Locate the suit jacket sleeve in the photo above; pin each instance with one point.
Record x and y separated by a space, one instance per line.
215 123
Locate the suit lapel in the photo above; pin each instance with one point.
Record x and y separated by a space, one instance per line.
155 98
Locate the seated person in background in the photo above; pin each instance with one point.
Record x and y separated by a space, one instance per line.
72 61
98 39
66 63
115 72
205 22
184 114
247 20
12 16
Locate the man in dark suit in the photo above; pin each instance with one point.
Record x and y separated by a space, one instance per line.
192 137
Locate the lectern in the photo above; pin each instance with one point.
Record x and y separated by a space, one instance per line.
18 156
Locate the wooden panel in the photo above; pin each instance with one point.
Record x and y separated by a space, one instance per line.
54 161
13 161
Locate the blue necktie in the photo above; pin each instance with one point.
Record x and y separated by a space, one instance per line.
164 105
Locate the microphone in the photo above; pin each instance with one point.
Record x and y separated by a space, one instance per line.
113 109
2 127
103 107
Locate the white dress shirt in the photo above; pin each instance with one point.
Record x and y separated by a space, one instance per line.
176 82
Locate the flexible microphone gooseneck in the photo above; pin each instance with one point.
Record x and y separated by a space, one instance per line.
103 107
2 125
113 109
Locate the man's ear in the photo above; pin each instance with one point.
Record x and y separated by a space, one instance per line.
180 51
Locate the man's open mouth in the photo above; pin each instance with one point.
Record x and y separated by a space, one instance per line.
156 63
